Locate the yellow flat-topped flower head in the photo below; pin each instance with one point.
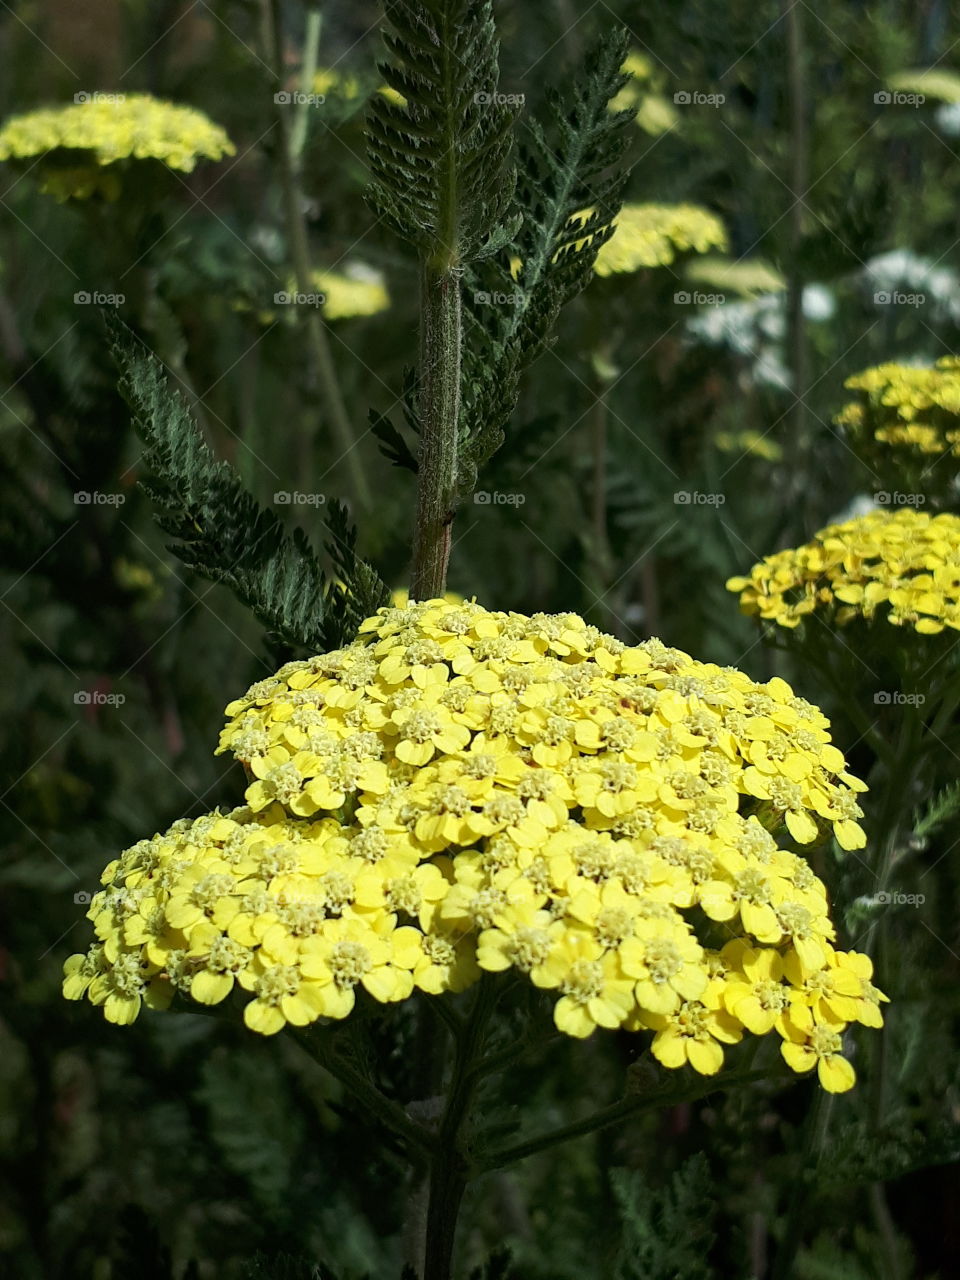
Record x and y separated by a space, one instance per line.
461 791
901 566
83 142
905 424
654 235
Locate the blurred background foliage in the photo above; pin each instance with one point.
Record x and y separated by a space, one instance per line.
178 1148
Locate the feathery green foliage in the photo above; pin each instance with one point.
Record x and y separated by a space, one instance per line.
939 809
573 165
442 171
223 533
666 1233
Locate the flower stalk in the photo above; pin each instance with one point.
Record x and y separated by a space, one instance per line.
441 336
291 142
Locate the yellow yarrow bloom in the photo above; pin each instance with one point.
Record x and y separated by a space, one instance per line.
112 128
356 291
654 113
654 235
900 565
461 791
905 420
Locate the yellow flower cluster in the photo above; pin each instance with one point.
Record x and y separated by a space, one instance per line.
908 408
333 82
358 291
653 235
654 113
112 127
461 791
751 442
904 564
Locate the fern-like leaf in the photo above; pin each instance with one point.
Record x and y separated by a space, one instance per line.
666 1233
441 160
222 532
569 193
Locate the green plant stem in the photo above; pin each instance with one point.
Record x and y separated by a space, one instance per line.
319 343
440 345
799 415
814 1134
601 548
616 1113
413 1138
311 53
449 1169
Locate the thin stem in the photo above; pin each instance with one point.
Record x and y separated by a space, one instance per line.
616 1113
814 1132
798 183
319 343
601 551
391 1115
311 53
449 1171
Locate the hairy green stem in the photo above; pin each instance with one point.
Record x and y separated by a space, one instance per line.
441 338
319 343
